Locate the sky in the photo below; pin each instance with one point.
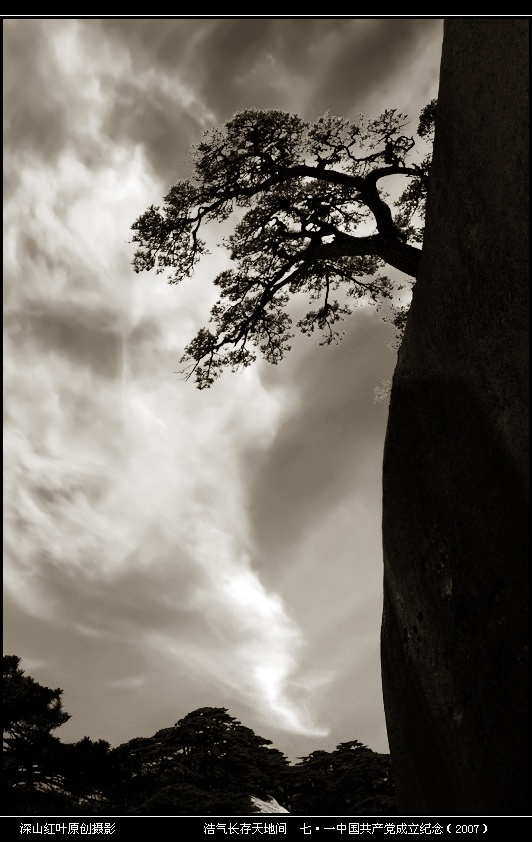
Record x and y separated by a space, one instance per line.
166 548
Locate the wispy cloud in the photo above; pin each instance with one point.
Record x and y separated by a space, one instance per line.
110 469
153 526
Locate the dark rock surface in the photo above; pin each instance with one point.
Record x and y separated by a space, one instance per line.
455 477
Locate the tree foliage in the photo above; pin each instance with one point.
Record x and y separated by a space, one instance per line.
28 707
207 759
40 772
309 219
30 712
351 780
88 769
208 763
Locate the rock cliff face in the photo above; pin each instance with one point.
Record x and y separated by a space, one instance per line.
455 477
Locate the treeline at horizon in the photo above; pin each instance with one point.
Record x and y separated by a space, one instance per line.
208 763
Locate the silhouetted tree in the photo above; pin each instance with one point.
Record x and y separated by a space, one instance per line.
87 768
310 218
351 780
208 763
207 760
28 707
183 799
30 712
31 753
225 753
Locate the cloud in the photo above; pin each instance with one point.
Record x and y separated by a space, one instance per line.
255 645
126 509
148 526
116 483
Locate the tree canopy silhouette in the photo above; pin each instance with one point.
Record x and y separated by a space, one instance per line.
351 780
208 763
309 217
30 712
28 707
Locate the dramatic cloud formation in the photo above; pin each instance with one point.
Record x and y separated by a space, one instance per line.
167 549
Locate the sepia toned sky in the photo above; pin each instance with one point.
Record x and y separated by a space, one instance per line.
164 548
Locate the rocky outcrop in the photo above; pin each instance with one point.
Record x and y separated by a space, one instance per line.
269 805
455 475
